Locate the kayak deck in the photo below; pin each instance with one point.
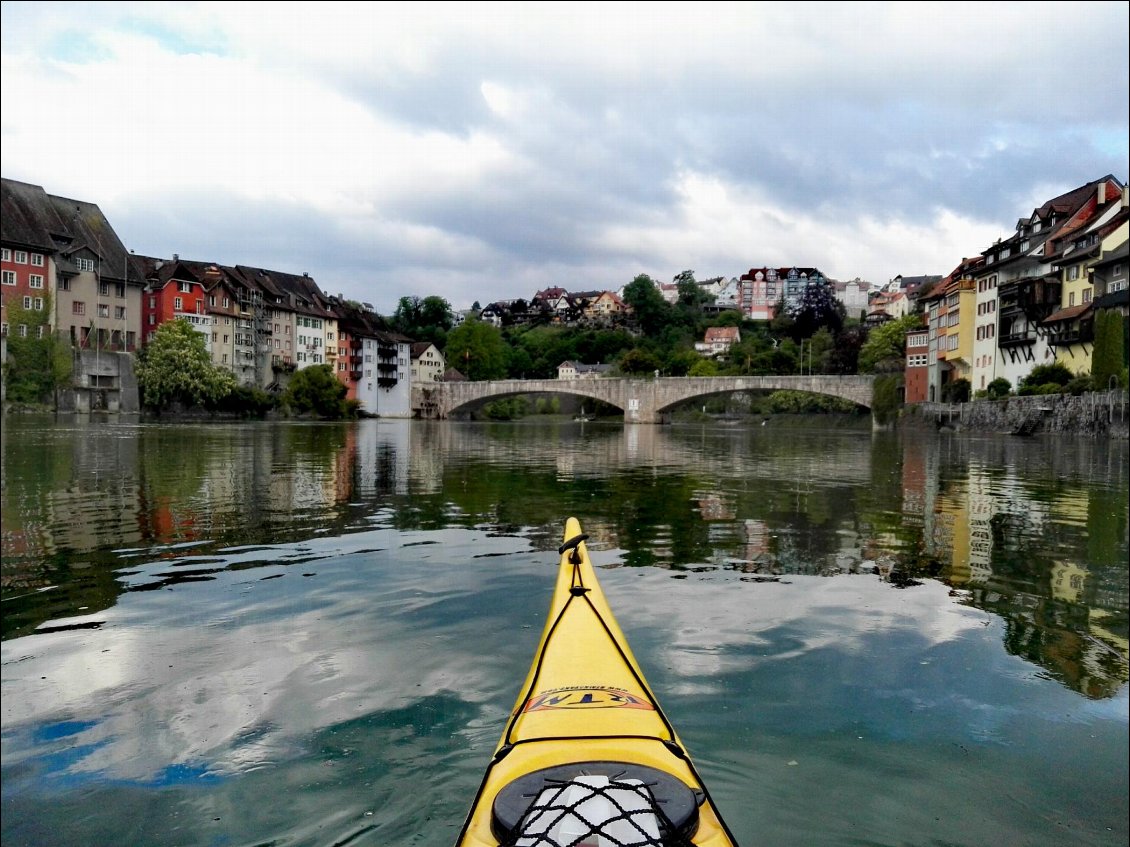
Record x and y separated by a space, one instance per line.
587 755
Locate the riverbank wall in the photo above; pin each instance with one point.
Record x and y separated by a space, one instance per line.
1101 414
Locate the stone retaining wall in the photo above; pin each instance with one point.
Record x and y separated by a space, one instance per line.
1100 414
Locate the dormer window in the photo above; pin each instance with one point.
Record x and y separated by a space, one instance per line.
84 265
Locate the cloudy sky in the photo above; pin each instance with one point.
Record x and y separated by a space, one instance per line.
486 150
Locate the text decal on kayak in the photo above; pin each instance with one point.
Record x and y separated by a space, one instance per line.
596 697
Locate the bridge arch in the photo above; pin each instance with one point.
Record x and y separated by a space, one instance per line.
642 400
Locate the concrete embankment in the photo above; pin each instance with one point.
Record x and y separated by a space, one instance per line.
1097 414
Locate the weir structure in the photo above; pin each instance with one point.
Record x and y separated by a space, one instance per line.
645 401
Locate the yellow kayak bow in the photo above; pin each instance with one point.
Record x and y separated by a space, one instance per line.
588 759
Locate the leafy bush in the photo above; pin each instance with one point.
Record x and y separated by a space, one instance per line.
885 399
507 409
957 391
247 402
804 403
1028 390
315 390
1057 373
548 405
1079 385
998 388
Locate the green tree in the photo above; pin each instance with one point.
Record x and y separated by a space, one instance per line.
1109 355
650 311
175 367
885 347
39 362
639 361
680 362
998 388
690 293
818 352
314 390
704 367
519 365
1056 373
478 350
729 317
885 399
957 391
425 319
844 358
816 308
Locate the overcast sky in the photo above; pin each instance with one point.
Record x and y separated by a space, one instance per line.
481 151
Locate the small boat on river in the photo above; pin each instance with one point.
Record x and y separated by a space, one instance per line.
588 756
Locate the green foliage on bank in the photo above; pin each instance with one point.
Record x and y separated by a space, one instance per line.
176 368
805 403
424 319
507 409
885 347
315 390
477 350
885 400
39 363
1045 379
1108 360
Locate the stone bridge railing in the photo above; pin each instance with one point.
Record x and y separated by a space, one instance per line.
642 400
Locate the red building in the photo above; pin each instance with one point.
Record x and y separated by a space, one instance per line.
24 292
173 291
917 364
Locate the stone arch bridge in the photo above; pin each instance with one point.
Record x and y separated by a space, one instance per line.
642 400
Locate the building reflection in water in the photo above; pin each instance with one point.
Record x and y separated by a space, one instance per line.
1038 537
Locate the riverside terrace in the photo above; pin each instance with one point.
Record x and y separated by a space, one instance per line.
646 401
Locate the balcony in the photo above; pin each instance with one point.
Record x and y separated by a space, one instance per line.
1035 297
1015 339
1072 335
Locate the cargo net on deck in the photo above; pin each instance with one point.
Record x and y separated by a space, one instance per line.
595 810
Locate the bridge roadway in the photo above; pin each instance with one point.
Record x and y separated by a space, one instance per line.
642 400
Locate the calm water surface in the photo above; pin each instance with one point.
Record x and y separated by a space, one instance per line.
312 634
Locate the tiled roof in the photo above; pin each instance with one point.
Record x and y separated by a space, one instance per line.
60 227
1067 314
26 218
722 333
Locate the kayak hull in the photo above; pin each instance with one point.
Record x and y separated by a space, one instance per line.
585 704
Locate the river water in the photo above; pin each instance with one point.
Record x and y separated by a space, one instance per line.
312 634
